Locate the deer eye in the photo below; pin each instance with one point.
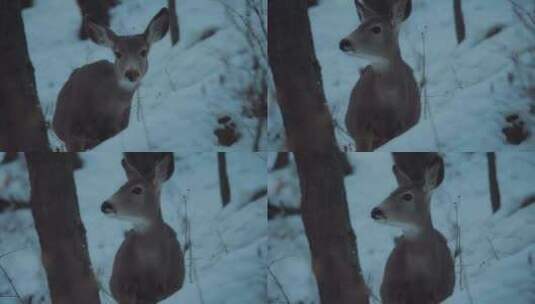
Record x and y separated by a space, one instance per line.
143 53
407 197
117 54
376 29
137 190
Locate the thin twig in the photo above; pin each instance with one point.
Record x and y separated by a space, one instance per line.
11 284
279 285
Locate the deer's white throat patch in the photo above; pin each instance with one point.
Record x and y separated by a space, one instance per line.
128 85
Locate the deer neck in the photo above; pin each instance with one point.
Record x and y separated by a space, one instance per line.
386 67
420 230
152 223
149 226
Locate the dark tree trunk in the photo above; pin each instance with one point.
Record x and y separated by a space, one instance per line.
10 157
459 21
61 232
26 3
173 22
224 186
97 11
328 228
310 133
494 188
145 162
22 126
282 161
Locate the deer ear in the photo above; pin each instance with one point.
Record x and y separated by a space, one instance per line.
399 12
160 171
157 27
100 35
363 11
402 178
131 172
432 177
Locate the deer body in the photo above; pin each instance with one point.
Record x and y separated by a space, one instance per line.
382 106
420 268
385 102
94 104
149 265
100 112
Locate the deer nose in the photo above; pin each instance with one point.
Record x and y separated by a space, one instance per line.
132 75
378 214
107 208
345 45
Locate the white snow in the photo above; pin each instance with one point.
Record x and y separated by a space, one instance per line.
186 89
498 250
228 244
468 90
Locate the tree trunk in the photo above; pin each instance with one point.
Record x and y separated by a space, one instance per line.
328 228
282 161
173 22
22 126
493 182
310 134
224 187
26 3
61 232
459 21
97 11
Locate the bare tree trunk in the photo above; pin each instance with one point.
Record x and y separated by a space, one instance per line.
224 186
459 21
493 182
310 134
282 161
97 11
26 3
22 126
61 232
173 22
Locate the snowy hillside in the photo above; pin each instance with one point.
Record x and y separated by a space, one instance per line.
187 89
471 87
225 263
498 251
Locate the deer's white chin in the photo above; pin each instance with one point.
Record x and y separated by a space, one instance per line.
128 85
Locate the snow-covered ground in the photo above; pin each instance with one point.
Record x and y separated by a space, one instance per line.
186 89
498 250
228 250
468 87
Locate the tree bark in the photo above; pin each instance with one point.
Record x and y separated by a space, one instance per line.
494 188
460 29
224 186
60 229
282 161
173 22
310 134
22 126
97 11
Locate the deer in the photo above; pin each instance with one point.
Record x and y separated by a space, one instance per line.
94 103
149 265
420 268
385 101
